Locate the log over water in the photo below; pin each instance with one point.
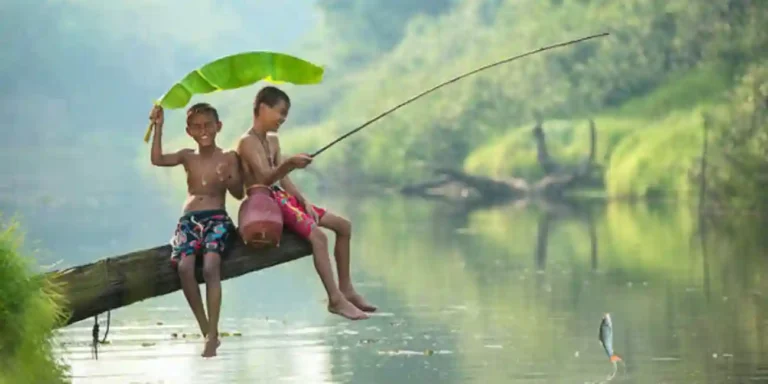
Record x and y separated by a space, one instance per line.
119 281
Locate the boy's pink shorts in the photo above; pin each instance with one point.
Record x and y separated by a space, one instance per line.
295 217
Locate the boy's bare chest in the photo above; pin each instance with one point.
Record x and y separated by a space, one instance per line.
271 159
206 173
269 153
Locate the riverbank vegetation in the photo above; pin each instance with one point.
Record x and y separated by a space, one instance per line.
648 87
30 309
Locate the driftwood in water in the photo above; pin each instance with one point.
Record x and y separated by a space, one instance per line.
119 281
456 184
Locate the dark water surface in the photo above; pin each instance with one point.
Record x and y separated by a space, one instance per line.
505 295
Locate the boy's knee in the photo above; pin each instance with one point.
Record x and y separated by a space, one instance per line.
345 228
317 237
186 266
211 266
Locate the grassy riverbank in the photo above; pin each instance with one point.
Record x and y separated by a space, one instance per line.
645 148
30 308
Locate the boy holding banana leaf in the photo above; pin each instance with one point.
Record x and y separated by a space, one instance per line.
205 226
262 164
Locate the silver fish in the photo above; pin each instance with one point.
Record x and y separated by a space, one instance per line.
606 338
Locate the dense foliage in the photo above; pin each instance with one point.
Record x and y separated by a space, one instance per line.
648 86
30 309
653 43
737 175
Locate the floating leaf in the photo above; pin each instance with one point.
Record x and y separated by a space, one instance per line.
239 70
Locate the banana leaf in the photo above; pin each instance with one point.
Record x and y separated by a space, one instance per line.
236 71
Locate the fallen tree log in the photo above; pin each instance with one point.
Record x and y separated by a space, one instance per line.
458 185
119 281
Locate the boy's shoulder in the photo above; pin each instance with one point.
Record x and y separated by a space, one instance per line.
220 152
273 138
187 152
230 154
243 139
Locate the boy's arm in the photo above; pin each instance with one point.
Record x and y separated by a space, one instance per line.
285 182
158 158
235 181
252 153
290 187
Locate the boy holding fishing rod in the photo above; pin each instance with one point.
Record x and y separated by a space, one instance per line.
205 226
263 165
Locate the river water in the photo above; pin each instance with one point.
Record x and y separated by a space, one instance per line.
505 295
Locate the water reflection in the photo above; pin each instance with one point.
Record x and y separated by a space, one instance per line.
635 262
511 294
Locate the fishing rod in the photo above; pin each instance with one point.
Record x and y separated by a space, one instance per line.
457 78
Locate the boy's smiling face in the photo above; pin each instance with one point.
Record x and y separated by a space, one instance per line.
274 117
203 127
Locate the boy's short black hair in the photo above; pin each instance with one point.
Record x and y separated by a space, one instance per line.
270 95
202 108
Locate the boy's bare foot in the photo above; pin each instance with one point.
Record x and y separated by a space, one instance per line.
211 345
218 341
344 308
358 301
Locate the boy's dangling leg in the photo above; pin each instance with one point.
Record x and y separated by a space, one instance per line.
337 303
341 251
212 275
186 270
215 242
183 248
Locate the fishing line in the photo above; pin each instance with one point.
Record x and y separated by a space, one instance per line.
457 78
615 370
